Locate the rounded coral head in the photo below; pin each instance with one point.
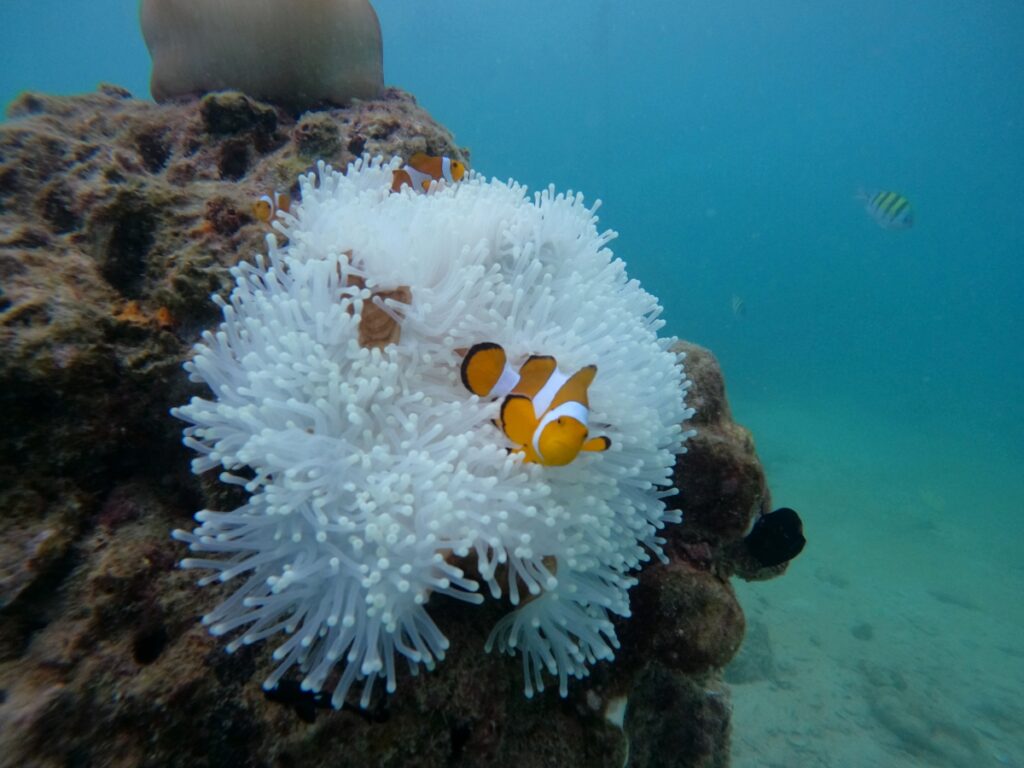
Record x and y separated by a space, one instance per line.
297 53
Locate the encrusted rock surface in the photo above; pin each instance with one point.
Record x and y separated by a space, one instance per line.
118 218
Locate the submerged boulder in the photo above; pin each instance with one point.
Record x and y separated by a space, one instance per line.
297 54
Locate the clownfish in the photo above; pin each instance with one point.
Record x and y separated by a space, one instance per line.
423 169
544 411
266 208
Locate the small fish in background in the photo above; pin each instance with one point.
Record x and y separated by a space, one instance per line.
738 306
890 210
267 207
133 314
423 169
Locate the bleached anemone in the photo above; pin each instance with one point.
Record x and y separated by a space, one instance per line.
372 470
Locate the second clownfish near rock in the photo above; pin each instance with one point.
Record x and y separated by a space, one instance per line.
544 412
266 208
421 169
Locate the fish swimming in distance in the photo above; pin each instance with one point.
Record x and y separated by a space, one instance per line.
738 306
890 210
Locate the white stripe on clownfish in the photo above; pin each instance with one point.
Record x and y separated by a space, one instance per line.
571 409
542 400
507 382
268 206
420 180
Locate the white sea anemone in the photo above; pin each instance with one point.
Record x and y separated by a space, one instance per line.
372 470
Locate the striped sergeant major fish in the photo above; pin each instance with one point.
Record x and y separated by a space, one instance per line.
890 210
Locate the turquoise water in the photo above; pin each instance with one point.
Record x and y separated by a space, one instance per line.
881 371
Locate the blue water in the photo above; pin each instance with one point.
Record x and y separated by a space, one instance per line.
881 371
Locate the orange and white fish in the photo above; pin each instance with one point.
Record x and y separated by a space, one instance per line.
266 208
544 412
423 169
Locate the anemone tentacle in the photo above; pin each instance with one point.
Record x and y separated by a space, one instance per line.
368 468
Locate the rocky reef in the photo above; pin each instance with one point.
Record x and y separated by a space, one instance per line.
118 219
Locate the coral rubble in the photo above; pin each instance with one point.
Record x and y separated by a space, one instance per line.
118 219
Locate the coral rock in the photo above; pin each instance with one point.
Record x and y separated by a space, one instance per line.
105 201
720 480
677 721
298 54
694 623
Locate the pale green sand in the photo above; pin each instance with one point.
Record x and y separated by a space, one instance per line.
897 637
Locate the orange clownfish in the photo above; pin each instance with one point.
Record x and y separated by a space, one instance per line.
266 208
544 412
423 169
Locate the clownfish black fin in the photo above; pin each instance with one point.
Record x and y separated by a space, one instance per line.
597 444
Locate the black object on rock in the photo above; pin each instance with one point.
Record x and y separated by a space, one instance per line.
776 537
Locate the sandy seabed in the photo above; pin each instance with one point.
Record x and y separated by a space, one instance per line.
897 638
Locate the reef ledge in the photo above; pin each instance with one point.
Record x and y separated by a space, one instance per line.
118 219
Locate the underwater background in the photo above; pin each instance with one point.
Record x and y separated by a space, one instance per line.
880 370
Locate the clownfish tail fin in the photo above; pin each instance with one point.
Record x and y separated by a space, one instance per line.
482 367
